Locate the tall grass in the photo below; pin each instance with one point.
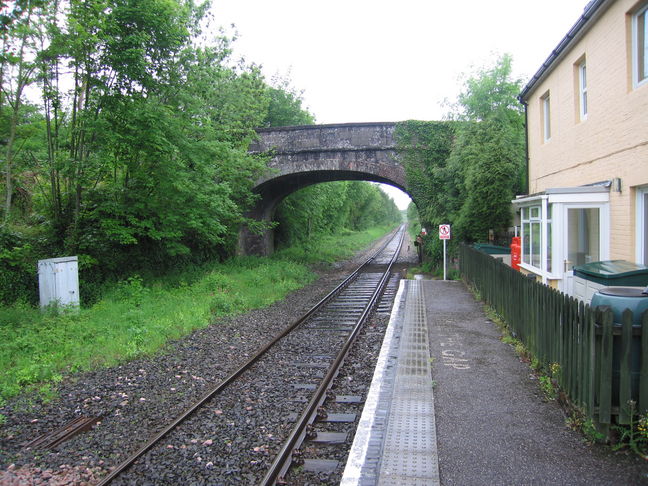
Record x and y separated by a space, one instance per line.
138 316
331 248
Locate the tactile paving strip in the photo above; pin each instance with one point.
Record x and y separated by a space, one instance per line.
395 443
409 455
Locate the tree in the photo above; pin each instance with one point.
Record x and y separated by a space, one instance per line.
138 155
285 107
465 171
182 172
16 74
147 154
488 153
332 207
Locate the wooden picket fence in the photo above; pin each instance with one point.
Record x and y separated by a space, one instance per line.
603 365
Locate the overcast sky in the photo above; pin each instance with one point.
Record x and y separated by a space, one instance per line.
378 60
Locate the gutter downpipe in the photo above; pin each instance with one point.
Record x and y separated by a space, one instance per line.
526 144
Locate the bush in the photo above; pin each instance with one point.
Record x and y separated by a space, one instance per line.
18 280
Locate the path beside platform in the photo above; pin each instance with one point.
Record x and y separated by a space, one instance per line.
493 425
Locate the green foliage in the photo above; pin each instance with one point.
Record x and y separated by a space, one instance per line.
327 248
424 148
322 209
490 93
285 106
132 290
634 435
140 314
17 268
578 421
488 155
547 387
413 219
136 157
467 170
135 318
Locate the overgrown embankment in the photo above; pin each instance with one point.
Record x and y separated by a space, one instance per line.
138 316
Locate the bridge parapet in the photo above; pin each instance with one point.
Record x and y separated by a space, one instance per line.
308 138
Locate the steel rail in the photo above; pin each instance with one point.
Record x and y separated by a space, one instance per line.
130 460
283 459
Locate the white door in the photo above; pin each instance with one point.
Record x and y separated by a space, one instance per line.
642 225
584 241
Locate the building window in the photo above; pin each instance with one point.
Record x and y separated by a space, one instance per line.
640 46
642 225
531 235
549 237
582 90
546 116
645 228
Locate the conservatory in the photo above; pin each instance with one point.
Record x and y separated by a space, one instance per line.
562 228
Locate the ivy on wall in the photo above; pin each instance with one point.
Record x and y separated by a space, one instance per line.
465 171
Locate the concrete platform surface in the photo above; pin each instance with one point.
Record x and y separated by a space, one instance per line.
494 427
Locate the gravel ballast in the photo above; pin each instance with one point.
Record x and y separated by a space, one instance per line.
137 399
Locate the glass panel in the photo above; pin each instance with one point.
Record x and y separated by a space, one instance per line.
583 236
525 213
549 246
645 223
535 212
547 118
583 89
526 244
549 211
642 45
535 244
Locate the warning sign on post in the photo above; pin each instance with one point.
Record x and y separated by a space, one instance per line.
444 231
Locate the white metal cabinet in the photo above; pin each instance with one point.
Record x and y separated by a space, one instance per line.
58 281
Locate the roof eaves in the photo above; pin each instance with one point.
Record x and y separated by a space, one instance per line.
593 188
592 10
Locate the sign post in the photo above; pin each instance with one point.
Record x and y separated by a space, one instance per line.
444 234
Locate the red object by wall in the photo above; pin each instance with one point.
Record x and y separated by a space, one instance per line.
516 253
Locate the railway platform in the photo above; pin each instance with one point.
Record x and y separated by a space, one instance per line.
451 404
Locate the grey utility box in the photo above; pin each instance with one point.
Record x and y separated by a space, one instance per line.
58 281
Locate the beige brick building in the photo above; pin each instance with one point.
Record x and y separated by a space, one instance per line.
587 130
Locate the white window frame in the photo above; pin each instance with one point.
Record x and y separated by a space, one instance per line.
542 218
582 90
546 116
561 202
604 230
640 219
530 220
636 48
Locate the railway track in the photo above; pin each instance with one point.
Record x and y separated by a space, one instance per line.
307 354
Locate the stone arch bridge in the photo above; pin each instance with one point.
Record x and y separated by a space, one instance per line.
310 154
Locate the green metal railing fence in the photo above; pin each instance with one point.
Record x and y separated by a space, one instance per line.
603 365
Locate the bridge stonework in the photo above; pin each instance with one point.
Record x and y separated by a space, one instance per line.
310 154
